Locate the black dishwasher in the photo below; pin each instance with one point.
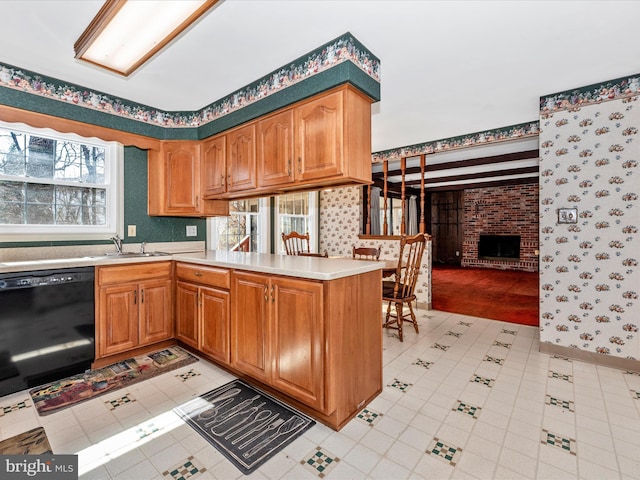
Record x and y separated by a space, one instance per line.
47 326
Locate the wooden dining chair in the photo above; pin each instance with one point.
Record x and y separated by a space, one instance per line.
295 242
366 253
402 290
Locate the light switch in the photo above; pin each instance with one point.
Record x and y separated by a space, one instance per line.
131 230
192 230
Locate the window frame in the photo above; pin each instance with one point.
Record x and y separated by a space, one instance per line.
114 181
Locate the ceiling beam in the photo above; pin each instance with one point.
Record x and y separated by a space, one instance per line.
472 162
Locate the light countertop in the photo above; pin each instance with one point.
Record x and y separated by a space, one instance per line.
315 268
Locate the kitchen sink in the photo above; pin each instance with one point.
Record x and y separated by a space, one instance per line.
129 255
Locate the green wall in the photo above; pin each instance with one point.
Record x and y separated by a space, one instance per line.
150 229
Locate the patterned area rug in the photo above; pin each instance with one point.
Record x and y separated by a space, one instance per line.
54 396
246 425
33 442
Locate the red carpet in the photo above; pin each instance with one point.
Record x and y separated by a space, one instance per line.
504 295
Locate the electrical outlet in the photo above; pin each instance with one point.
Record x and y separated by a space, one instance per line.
131 230
192 230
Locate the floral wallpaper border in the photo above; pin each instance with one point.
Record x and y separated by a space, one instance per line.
591 94
512 132
345 48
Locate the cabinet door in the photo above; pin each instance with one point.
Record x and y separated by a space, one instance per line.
319 137
275 149
249 326
214 166
182 165
297 332
118 319
187 313
241 159
155 311
214 324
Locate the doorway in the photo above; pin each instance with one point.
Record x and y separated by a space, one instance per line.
446 219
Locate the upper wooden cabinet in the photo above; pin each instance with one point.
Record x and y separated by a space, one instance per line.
229 162
319 142
176 184
325 140
275 149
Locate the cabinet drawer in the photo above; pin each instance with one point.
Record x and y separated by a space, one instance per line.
215 277
133 272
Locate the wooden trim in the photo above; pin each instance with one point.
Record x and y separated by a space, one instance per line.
63 125
386 237
471 176
422 165
507 157
496 183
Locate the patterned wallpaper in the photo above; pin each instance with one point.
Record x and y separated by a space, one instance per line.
340 214
589 276
342 49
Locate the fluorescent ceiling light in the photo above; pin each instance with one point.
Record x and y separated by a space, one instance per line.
126 33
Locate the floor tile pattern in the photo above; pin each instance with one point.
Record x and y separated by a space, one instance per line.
118 402
184 470
369 417
449 453
320 462
445 412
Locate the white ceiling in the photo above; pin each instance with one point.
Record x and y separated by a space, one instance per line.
448 67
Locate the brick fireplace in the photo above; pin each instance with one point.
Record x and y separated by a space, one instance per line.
504 213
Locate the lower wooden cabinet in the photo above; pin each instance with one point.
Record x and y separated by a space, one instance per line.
133 306
278 334
203 310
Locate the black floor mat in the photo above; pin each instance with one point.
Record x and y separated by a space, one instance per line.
246 425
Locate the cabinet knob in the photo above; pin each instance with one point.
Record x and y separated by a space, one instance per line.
266 293
222 180
289 167
299 165
273 297
198 274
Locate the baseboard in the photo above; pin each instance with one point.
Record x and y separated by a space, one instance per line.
591 357
424 305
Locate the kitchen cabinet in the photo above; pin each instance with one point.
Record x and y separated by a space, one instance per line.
278 334
203 309
176 183
275 149
229 162
325 140
133 306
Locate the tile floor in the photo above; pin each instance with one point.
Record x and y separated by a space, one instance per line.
467 398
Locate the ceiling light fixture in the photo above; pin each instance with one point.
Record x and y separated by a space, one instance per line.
126 33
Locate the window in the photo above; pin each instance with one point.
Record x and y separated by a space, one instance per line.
297 212
61 185
243 230
248 226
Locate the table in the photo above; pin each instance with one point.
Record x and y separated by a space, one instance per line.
389 268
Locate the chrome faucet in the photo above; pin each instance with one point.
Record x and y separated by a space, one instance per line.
117 241
142 247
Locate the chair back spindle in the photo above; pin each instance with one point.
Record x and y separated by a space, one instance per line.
296 243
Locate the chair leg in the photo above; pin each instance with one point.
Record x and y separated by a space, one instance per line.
386 320
413 318
399 319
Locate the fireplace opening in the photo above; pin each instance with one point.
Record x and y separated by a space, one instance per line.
499 247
